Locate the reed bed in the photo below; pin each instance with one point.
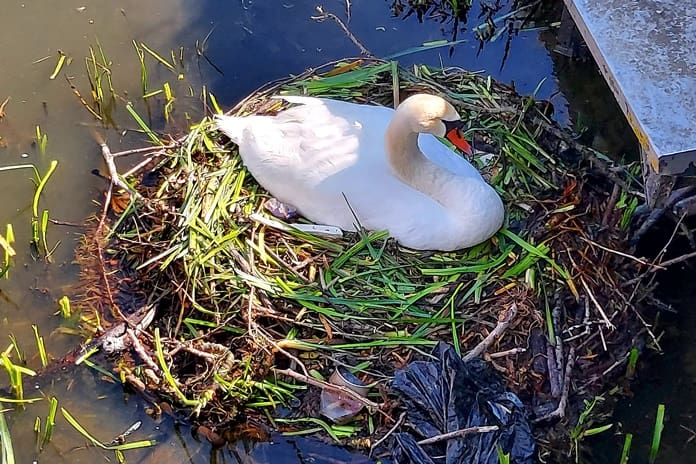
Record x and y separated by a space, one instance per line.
252 315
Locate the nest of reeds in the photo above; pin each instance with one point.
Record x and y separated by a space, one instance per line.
252 315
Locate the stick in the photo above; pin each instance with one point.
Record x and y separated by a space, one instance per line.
323 16
399 421
672 261
555 377
503 324
656 267
610 205
100 250
606 320
671 238
459 433
559 412
145 150
371 405
113 171
512 351
209 357
662 253
140 349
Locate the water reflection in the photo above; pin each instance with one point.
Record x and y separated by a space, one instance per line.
249 43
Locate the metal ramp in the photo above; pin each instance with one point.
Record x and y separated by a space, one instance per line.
646 50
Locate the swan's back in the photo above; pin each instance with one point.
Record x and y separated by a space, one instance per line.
331 120
322 155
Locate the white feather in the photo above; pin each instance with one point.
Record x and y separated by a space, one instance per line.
316 155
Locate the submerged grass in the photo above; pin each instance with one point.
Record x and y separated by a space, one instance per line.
240 294
8 250
657 433
50 423
7 450
116 445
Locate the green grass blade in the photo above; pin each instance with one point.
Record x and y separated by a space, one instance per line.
657 433
5 439
158 57
40 345
50 422
143 126
59 65
39 189
626 451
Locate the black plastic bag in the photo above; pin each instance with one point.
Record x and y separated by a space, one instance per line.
445 395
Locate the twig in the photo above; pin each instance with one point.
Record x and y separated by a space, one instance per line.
606 320
592 379
603 340
503 324
59 222
100 251
609 209
211 358
113 171
399 421
136 151
647 328
371 405
662 253
559 412
656 267
140 349
502 354
459 433
669 262
671 238
555 376
84 103
323 16
138 166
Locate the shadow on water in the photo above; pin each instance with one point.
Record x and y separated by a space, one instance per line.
250 43
667 378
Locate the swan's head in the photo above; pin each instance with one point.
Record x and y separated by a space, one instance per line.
431 114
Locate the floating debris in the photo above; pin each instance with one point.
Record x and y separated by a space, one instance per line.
336 405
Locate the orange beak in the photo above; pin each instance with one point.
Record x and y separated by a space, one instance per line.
455 135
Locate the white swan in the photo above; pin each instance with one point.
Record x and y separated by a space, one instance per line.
319 154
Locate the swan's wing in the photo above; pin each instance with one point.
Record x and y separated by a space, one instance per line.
305 154
333 135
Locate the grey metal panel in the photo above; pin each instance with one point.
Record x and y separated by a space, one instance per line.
646 50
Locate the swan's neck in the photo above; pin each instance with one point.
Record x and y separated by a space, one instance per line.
402 149
411 166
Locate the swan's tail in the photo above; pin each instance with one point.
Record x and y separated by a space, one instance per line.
231 126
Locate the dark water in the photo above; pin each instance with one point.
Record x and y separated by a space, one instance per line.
250 43
667 378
